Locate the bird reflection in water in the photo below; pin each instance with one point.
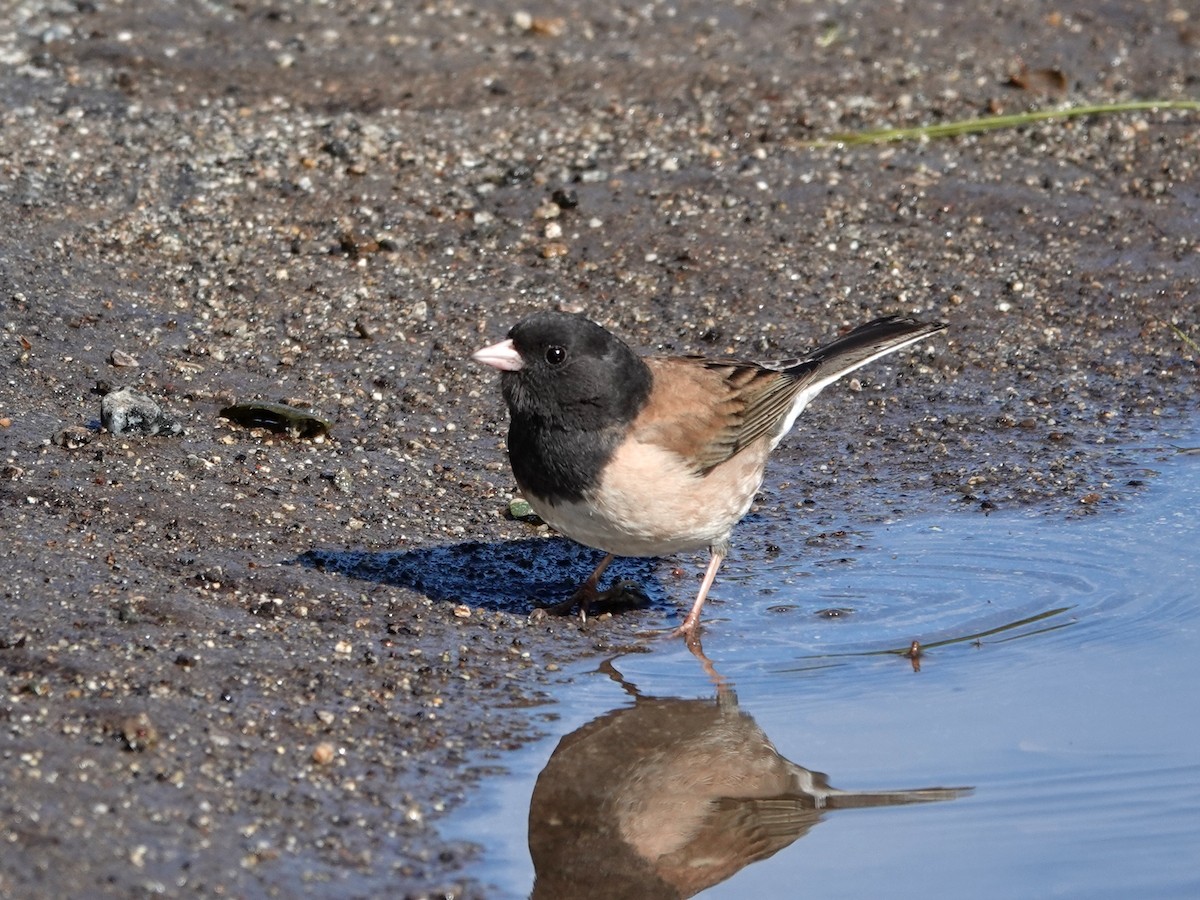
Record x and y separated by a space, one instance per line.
669 796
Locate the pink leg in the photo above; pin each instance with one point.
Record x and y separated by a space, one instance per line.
693 644
688 628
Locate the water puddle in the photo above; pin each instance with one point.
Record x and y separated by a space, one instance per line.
1046 742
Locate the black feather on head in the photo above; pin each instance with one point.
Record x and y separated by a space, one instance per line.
577 387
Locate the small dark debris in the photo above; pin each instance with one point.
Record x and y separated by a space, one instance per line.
517 174
914 655
565 198
1039 81
266 607
834 612
277 417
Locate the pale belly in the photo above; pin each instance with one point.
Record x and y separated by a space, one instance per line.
650 505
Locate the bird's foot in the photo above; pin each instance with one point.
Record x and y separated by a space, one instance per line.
689 630
623 594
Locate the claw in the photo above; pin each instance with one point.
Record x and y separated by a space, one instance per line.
588 596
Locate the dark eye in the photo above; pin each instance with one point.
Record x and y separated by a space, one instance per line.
555 355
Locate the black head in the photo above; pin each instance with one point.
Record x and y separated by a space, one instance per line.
573 375
570 387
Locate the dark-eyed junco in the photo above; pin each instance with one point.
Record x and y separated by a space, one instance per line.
670 796
649 456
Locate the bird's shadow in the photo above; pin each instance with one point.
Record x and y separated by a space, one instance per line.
509 576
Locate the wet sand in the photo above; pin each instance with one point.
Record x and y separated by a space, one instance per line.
236 661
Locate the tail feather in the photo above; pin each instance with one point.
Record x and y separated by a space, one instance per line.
866 343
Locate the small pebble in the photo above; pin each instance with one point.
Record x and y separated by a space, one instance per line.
72 437
138 732
519 508
343 481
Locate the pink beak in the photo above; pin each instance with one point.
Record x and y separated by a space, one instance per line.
502 356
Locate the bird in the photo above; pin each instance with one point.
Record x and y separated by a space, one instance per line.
651 456
669 796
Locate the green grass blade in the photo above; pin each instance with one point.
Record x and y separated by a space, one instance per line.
991 123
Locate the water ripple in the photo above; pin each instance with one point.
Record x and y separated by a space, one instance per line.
974 580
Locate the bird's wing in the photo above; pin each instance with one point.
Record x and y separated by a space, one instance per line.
708 410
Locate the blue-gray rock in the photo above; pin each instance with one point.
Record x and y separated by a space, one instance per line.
125 411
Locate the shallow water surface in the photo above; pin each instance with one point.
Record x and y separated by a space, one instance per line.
1048 743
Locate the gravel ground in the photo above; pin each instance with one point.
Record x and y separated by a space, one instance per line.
248 664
